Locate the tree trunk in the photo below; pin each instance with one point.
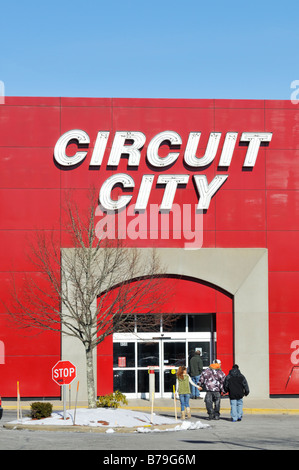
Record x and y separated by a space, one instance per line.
90 379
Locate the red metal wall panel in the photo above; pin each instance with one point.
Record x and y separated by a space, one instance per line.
255 208
283 250
105 367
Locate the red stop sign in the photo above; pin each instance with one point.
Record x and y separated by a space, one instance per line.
64 372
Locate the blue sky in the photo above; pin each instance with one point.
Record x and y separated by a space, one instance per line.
151 49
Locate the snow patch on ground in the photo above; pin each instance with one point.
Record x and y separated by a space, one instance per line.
112 418
184 426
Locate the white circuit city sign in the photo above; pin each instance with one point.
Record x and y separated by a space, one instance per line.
131 143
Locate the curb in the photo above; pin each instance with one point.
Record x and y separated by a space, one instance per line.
89 429
273 411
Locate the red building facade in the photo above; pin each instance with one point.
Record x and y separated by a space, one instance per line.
233 162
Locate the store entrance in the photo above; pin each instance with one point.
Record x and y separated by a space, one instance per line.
164 356
134 354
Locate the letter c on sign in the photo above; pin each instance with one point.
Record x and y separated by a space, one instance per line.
105 193
60 147
152 151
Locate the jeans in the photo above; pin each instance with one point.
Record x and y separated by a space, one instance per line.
212 401
194 390
236 409
184 399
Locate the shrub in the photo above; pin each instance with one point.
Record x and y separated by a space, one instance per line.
113 400
40 410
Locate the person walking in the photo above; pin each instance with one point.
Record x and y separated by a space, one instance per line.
183 390
212 379
196 368
237 387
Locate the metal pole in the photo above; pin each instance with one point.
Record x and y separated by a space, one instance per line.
174 398
76 402
64 401
151 384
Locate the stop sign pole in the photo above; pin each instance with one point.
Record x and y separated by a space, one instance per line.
63 373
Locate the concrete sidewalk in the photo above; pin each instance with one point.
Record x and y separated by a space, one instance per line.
250 405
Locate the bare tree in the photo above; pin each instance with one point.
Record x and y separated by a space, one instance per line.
91 289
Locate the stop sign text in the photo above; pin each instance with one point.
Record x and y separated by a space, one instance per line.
64 372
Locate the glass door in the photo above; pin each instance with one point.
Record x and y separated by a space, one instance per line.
132 360
173 355
164 350
164 357
148 356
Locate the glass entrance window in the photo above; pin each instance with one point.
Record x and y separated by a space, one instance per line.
165 348
148 354
143 381
124 380
123 359
174 326
124 354
199 323
169 380
205 348
174 354
143 322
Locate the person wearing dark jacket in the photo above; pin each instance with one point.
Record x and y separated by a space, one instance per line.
236 385
196 368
